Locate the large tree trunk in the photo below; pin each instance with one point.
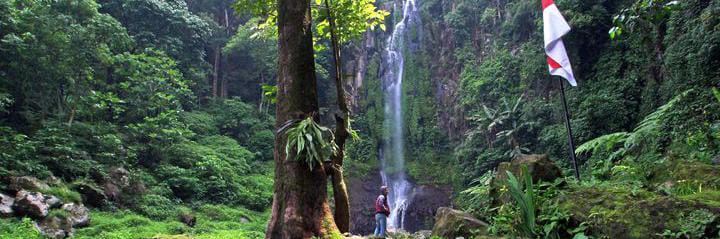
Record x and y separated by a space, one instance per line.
340 193
300 208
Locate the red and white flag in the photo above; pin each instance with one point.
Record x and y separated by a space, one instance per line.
555 27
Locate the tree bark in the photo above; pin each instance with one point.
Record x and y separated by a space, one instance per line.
216 67
340 194
300 208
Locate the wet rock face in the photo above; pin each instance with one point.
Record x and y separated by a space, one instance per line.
31 204
426 201
362 192
6 206
420 213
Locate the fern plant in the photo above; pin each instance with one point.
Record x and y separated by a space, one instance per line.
308 141
649 127
476 199
644 133
524 200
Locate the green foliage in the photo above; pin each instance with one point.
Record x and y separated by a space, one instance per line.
525 201
641 14
157 207
603 143
18 229
692 225
476 199
53 50
183 37
270 91
200 123
642 140
150 85
308 141
64 193
253 52
352 18
88 86
5 101
213 221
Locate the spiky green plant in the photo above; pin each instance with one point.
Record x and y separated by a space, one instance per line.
524 200
308 141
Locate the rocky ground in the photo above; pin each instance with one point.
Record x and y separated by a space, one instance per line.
53 216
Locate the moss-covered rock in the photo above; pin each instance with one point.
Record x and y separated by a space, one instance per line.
56 227
619 211
450 223
91 194
682 177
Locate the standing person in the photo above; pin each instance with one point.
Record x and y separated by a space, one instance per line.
382 211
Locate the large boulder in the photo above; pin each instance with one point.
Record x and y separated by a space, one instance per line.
55 227
31 204
79 215
119 176
27 183
451 223
91 194
618 211
118 179
53 201
539 166
6 206
422 234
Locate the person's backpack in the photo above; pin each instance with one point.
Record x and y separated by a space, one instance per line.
380 205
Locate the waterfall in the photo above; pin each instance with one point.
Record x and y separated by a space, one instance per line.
392 154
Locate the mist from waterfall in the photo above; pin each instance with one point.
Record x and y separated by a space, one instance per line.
392 154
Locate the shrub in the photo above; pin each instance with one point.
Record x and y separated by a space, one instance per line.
262 142
18 229
157 207
183 183
202 123
57 149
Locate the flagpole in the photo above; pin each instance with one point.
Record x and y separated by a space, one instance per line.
571 141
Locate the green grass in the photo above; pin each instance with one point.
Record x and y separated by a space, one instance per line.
213 222
64 193
12 228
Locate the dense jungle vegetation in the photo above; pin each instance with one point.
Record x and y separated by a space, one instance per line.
160 115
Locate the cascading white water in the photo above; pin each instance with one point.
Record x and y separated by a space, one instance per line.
392 154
